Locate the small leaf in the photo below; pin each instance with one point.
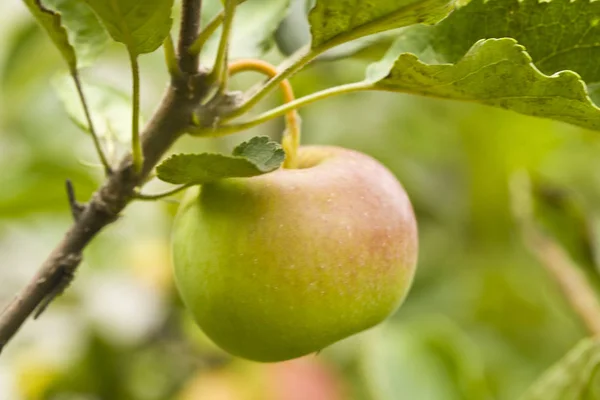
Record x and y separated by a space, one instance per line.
52 23
334 22
141 26
86 34
496 72
255 157
264 153
575 377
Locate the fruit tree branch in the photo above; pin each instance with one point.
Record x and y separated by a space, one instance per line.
554 258
190 24
572 282
168 123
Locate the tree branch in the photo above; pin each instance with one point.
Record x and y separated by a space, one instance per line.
168 123
569 277
562 268
190 25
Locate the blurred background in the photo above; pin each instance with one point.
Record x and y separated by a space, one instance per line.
482 321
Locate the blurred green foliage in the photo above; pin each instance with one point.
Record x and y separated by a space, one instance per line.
482 321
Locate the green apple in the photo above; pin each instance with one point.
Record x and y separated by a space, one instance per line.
281 265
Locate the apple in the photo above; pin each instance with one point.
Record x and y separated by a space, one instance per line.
284 264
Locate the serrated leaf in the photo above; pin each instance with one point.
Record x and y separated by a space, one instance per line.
558 35
87 36
334 22
52 23
545 28
141 26
110 108
255 157
496 72
575 377
266 154
254 26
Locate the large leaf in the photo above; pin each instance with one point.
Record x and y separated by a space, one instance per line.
558 35
85 33
575 377
496 72
255 157
333 22
254 26
52 23
141 26
547 29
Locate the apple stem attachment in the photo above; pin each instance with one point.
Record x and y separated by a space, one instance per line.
291 137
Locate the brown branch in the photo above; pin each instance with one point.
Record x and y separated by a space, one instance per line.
76 208
188 63
168 123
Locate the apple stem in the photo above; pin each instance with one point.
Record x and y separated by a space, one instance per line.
283 109
291 137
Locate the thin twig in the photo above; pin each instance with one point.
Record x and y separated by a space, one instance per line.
206 33
76 207
208 30
219 73
136 147
88 117
568 275
284 109
171 58
562 268
294 64
167 124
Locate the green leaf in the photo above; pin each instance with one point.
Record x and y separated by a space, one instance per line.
110 108
558 35
334 22
255 157
254 26
141 26
294 33
266 154
52 23
575 377
496 72
85 33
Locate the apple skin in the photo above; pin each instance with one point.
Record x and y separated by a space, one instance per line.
284 264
